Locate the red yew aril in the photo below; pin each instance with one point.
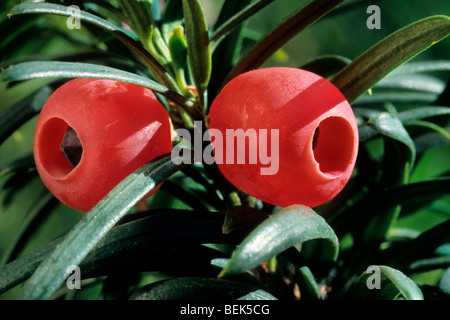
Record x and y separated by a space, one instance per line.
120 126
318 134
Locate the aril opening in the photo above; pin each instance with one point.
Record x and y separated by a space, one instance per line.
333 144
60 150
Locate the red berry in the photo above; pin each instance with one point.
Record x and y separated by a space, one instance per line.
120 126
318 135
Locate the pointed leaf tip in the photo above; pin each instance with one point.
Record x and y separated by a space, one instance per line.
286 228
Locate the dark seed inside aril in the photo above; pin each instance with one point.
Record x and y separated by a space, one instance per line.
315 138
71 147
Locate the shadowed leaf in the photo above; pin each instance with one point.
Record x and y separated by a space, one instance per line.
385 283
197 38
43 69
126 37
286 228
388 54
134 243
376 203
16 115
200 289
289 28
245 13
93 227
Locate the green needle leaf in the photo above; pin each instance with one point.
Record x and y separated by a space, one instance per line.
308 285
92 228
397 97
421 113
385 283
197 39
135 240
35 216
326 65
388 54
444 282
171 18
391 127
140 18
431 126
16 115
286 228
299 21
403 255
200 289
124 36
423 66
406 117
227 50
411 82
42 69
178 52
23 162
376 203
224 29
398 159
